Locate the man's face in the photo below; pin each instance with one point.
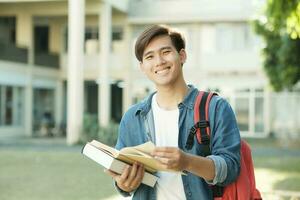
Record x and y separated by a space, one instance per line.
161 62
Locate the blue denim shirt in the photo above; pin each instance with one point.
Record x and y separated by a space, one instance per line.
137 127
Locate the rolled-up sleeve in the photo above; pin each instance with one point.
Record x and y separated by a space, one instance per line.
220 169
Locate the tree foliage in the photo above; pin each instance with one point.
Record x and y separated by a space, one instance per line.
279 26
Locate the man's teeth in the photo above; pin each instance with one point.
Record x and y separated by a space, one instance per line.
163 71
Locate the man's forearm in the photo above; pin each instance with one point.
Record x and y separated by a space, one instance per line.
200 166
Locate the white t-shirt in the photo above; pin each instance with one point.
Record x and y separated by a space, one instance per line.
169 185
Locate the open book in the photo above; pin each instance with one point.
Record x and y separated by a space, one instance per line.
116 161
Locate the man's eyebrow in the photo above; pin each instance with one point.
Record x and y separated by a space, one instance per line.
162 48
147 53
166 47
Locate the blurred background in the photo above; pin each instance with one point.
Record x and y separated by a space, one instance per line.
68 73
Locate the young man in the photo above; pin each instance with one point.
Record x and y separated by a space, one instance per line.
165 118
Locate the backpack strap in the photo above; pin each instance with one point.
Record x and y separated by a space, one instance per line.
201 129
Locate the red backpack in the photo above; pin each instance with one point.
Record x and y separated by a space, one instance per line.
244 187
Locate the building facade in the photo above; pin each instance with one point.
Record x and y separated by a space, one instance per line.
62 59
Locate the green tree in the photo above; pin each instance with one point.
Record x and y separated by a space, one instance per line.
279 26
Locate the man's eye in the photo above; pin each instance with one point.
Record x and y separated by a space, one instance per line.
149 57
166 52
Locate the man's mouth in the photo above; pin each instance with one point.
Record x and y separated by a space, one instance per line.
162 71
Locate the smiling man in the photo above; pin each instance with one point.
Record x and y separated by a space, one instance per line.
165 117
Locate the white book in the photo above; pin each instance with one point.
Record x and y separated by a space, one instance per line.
111 158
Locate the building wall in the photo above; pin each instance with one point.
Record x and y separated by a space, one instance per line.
162 11
36 79
223 52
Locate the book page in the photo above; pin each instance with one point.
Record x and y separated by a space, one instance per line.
104 147
142 149
141 153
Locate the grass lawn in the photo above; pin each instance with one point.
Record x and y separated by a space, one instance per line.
277 167
51 173
49 170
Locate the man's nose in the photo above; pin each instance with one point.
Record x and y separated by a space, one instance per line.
160 60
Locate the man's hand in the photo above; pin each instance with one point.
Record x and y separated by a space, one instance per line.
171 158
131 177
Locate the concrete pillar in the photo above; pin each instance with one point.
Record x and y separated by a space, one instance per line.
25 34
15 97
105 50
55 39
2 105
127 90
75 70
58 111
24 29
28 106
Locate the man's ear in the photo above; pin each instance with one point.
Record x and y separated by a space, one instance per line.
182 54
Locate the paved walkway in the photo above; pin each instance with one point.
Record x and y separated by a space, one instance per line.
38 143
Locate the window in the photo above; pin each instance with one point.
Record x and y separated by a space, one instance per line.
233 37
117 33
259 114
41 39
92 34
11 105
8 109
8 30
242 113
1 109
19 109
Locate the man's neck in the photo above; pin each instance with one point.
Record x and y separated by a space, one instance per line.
169 97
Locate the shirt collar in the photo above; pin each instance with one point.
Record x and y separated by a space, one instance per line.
188 101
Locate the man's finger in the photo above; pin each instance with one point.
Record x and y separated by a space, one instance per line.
131 175
165 161
165 149
111 173
162 154
124 175
139 176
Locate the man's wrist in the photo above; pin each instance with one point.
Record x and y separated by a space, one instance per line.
186 163
123 192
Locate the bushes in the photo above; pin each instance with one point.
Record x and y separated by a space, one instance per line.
92 131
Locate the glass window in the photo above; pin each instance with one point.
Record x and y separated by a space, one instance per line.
233 37
8 106
43 108
117 33
19 106
91 33
11 105
8 30
259 114
41 39
242 113
1 109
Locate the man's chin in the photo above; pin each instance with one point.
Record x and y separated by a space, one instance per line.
163 83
